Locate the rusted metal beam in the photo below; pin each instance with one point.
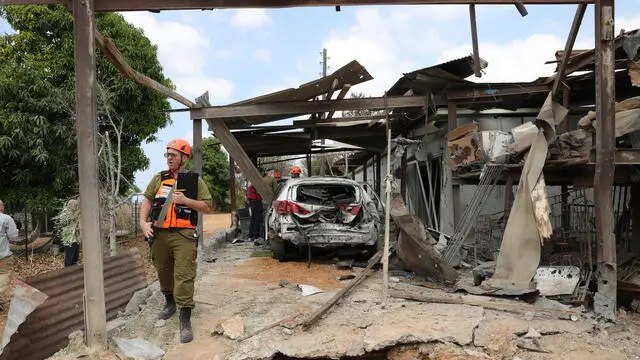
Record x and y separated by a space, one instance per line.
495 92
605 298
142 5
568 47
474 40
304 107
87 135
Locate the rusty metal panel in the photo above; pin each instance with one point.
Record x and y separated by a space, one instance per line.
47 329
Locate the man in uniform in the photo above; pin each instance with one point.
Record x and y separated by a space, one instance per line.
174 241
8 230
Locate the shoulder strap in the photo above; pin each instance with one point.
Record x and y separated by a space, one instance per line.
165 206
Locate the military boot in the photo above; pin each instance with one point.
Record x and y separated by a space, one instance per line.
169 307
185 325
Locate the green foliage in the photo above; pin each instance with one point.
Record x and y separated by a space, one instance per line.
215 172
37 124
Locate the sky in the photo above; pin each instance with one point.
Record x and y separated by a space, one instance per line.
238 54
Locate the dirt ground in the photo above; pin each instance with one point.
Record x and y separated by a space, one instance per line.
360 326
215 222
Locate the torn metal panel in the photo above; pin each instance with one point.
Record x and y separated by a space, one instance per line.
24 301
416 252
496 145
557 280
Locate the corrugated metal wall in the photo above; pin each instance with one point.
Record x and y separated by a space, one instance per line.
47 329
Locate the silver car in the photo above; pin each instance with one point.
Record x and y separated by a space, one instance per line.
322 212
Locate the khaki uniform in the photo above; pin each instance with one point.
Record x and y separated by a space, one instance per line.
174 252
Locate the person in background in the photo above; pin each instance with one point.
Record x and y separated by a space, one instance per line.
296 171
254 202
8 231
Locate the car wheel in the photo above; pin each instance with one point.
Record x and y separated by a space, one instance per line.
279 248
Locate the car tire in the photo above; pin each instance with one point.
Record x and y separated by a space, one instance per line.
279 248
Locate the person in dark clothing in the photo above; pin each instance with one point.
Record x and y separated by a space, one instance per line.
254 200
71 253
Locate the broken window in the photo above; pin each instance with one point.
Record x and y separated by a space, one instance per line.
326 195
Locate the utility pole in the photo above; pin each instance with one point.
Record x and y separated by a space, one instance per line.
324 97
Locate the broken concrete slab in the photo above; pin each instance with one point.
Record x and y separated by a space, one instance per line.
396 328
232 328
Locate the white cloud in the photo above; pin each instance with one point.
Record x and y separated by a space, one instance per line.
630 22
517 60
250 18
182 51
382 42
263 55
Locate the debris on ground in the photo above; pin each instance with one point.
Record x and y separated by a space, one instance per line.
138 349
345 264
308 290
232 328
346 277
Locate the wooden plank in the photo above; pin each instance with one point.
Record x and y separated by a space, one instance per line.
197 164
141 5
408 292
87 134
112 53
568 47
236 151
316 315
304 107
343 92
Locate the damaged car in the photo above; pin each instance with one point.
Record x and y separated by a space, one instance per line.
323 212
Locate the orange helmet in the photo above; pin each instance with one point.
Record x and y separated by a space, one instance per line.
180 145
296 170
278 174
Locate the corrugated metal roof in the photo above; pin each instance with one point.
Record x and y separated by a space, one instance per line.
434 79
351 74
47 329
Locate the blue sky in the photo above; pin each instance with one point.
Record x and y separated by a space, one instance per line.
237 54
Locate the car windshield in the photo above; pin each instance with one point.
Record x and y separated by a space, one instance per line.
326 194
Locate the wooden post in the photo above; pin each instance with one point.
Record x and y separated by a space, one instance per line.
86 132
452 114
197 164
378 174
474 41
605 298
364 171
232 184
635 219
309 166
403 176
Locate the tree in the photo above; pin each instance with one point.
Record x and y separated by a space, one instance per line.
37 124
215 172
360 112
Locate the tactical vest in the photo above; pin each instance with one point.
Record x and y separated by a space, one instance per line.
178 216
